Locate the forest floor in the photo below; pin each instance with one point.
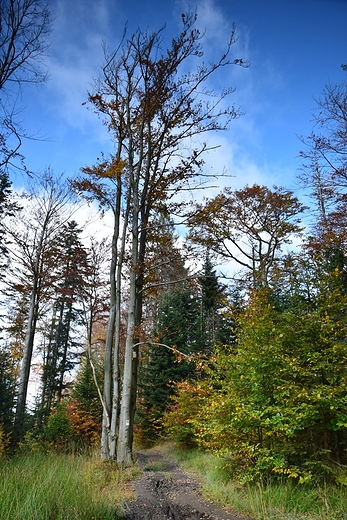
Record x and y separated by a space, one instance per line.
165 491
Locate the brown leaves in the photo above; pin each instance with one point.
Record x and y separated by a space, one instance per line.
247 226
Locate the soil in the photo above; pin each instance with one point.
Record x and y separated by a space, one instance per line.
164 491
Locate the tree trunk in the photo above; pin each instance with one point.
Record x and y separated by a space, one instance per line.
108 419
107 391
116 371
124 448
26 363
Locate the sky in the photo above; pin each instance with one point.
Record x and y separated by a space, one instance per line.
294 49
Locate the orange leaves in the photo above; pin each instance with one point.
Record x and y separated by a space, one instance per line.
96 185
83 423
106 169
247 226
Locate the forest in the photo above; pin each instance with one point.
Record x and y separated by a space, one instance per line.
137 337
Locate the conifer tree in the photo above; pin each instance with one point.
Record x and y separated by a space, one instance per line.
33 264
8 207
211 303
175 333
61 349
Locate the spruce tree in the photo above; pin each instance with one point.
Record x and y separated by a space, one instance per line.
60 352
7 208
175 333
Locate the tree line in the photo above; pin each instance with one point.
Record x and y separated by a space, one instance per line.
252 367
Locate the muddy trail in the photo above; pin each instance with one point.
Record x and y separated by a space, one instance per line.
165 491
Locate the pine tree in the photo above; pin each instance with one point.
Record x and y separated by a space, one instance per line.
176 333
61 347
211 303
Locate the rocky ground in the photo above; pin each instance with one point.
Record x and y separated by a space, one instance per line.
165 491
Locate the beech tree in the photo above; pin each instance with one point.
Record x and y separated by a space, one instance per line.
247 226
153 109
276 407
24 29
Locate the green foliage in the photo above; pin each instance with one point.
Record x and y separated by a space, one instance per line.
176 332
7 398
59 429
4 441
278 402
61 341
7 208
85 391
212 322
181 419
189 321
275 501
84 406
7 390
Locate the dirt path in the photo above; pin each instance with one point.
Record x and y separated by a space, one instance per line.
164 491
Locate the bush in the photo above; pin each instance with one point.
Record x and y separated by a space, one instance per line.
59 431
181 421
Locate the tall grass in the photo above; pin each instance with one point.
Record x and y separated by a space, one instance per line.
39 486
284 501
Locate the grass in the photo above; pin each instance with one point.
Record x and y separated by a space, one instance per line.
47 486
39 486
155 465
284 501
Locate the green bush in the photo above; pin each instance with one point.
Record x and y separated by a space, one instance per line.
58 431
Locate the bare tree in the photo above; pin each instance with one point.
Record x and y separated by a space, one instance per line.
325 150
24 29
33 263
154 110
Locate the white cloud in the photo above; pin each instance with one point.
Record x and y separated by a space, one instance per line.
75 58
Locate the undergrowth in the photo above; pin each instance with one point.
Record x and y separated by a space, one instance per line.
48 486
271 501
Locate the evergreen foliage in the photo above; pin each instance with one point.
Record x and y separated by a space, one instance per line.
7 390
7 208
61 348
175 333
214 323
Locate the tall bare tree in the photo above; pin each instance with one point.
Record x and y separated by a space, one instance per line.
324 171
154 109
24 29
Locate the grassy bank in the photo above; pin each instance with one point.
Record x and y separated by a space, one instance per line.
272 502
39 486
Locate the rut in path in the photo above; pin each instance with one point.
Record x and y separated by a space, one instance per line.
166 492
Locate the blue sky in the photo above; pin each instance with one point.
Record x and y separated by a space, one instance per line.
294 48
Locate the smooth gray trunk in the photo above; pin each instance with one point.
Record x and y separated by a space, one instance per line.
26 361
